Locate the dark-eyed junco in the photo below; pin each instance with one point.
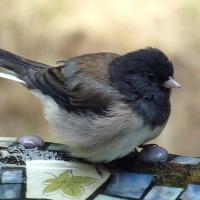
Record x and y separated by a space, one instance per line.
103 105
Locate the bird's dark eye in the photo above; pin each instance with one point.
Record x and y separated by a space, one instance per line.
129 82
150 76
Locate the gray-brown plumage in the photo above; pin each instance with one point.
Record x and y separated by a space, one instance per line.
96 65
102 105
66 84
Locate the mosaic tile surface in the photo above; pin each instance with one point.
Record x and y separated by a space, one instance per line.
10 191
56 147
130 185
178 178
61 180
106 197
12 176
163 193
185 160
6 141
192 192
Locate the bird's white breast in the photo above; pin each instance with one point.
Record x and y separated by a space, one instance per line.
98 138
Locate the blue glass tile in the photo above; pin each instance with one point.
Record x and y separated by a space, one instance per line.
192 192
131 185
163 193
10 191
105 197
186 160
57 147
12 176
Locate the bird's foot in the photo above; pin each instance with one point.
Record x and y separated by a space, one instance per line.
99 168
144 146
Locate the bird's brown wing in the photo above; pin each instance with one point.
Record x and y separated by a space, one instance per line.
81 84
96 65
86 80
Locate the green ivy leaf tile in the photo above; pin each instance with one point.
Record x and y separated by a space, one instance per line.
70 185
53 186
73 190
82 180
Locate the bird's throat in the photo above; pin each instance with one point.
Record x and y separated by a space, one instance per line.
154 113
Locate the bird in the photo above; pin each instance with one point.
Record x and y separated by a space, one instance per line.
101 105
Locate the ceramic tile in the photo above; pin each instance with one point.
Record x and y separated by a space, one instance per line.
12 176
57 147
192 192
11 139
6 142
163 193
10 191
131 185
186 160
61 180
106 197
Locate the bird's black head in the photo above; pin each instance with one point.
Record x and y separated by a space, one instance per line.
143 77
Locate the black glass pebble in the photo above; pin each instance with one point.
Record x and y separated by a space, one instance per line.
31 141
154 153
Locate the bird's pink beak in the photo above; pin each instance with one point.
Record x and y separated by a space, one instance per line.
171 83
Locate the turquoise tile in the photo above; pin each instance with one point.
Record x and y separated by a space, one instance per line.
106 197
6 142
192 192
185 160
10 191
131 185
57 147
12 176
163 193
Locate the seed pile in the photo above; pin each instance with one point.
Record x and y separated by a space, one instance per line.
17 154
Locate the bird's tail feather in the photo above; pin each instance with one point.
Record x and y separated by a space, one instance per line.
11 77
17 64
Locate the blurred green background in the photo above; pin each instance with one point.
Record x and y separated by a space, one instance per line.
47 31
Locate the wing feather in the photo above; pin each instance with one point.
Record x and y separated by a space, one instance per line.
80 85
